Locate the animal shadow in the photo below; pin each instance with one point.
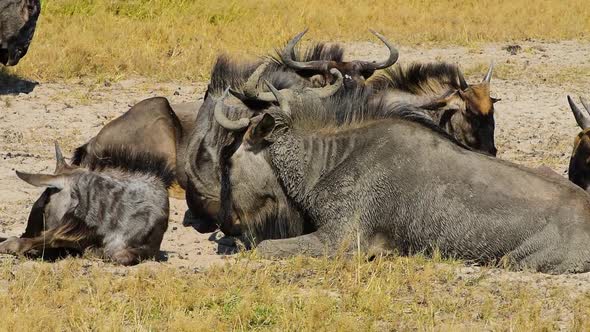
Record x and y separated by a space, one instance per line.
12 84
226 245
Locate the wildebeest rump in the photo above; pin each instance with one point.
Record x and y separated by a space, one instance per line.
150 126
398 183
466 111
118 204
18 19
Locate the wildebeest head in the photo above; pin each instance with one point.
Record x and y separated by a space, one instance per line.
210 140
579 167
253 185
468 113
18 19
56 200
354 72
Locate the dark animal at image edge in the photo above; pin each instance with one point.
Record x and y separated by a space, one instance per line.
18 20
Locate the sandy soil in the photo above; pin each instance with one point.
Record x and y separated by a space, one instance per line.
534 127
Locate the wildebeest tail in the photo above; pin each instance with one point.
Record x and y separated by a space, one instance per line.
79 154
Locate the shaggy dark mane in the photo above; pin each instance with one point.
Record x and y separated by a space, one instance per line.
432 79
124 159
227 72
352 107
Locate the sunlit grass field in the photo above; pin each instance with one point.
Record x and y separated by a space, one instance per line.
300 294
179 39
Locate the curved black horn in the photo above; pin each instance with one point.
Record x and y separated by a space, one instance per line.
582 119
488 77
331 89
393 55
462 82
283 102
233 125
250 87
288 55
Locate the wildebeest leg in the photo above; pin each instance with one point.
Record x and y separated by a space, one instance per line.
68 235
176 191
20 246
309 245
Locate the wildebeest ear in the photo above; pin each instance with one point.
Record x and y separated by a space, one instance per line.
263 128
60 162
443 103
43 180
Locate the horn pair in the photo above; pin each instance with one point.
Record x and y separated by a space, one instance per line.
240 124
487 79
251 86
288 55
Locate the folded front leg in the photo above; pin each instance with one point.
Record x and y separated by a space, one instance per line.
309 245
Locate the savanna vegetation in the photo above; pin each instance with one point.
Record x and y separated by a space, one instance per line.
300 294
178 39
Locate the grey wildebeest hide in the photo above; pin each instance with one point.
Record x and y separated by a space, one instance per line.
393 181
466 111
118 204
18 19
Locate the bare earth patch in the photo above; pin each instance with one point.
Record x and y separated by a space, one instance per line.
534 127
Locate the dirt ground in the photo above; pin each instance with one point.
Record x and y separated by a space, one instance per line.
534 126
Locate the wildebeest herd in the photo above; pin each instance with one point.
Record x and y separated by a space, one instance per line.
305 153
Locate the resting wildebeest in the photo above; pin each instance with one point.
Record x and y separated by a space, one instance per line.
18 19
118 204
579 168
465 111
389 179
209 139
354 72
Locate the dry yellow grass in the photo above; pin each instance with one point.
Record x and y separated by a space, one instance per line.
178 39
300 294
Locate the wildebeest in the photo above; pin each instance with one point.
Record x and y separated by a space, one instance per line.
389 179
118 204
150 126
466 111
354 72
18 19
209 139
579 167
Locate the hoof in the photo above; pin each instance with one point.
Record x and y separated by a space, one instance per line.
176 191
